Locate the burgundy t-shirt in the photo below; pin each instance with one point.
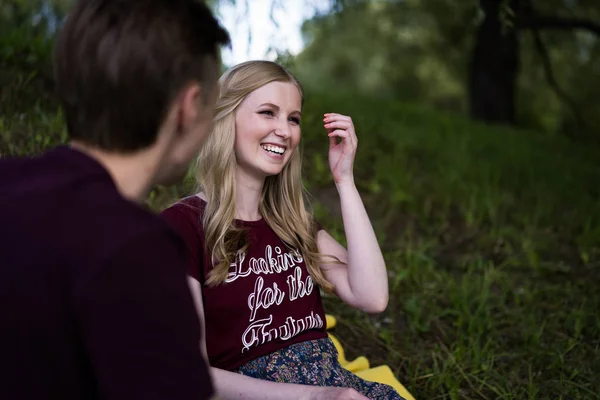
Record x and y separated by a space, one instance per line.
268 301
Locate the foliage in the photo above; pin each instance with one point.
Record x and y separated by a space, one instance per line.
26 37
418 50
392 50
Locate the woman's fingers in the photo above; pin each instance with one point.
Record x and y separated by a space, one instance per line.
334 120
332 116
338 124
341 133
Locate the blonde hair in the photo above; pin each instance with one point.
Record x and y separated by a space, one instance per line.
282 203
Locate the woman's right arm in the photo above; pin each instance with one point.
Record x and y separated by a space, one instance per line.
231 385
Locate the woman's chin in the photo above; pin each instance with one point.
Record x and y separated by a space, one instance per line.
272 172
269 169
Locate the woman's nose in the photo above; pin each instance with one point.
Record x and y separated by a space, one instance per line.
283 132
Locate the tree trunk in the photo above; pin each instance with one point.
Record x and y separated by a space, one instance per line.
494 66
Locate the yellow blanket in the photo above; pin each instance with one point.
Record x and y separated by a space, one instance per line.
361 367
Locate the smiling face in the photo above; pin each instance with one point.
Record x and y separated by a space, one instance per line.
267 129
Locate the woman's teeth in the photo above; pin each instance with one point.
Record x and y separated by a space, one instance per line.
273 149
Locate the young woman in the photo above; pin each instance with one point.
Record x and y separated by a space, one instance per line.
257 256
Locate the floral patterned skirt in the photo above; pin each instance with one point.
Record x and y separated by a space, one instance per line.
314 362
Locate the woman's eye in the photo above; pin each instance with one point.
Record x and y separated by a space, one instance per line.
295 120
268 112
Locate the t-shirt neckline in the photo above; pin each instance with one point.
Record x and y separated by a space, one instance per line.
258 222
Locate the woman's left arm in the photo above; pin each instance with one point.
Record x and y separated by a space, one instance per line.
362 280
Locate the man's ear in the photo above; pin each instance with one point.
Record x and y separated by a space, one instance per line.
190 102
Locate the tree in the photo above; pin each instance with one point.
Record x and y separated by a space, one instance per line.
494 65
495 58
499 61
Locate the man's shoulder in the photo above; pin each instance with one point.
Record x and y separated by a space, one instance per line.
188 210
65 201
189 205
116 222
12 169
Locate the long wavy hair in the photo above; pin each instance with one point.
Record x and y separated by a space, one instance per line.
283 204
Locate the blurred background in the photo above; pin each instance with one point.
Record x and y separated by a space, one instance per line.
478 161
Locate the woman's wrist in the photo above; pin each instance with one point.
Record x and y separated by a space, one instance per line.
345 185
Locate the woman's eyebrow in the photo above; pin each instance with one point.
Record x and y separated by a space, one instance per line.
269 104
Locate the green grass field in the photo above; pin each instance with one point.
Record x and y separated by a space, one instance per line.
491 237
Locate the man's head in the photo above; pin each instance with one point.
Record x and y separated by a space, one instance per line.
132 74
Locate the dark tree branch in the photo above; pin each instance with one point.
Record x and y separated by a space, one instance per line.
535 27
559 23
551 79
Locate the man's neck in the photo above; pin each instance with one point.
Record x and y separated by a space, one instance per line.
132 173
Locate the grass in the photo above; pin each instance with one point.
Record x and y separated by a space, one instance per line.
491 240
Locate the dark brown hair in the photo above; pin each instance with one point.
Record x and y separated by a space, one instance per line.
120 63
